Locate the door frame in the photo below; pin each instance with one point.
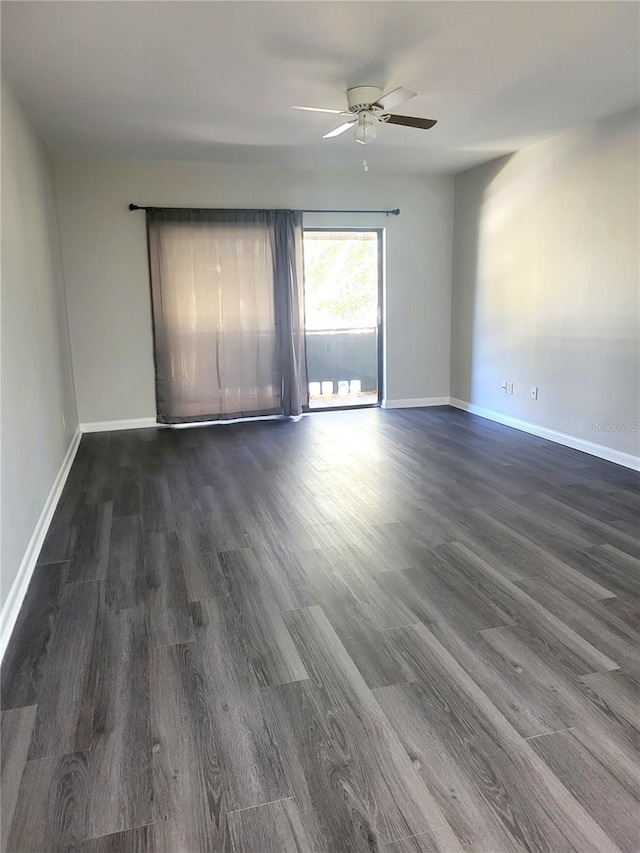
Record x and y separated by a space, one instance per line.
380 319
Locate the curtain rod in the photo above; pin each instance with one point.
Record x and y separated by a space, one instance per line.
395 212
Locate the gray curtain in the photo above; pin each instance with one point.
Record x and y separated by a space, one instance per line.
228 315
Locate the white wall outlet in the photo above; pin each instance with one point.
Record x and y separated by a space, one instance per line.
509 387
534 392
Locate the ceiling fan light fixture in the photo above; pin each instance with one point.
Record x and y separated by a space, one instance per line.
366 108
365 131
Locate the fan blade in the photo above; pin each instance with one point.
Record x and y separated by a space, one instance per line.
339 130
394 98
318 110
411 121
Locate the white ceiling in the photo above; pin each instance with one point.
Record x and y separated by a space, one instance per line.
212 81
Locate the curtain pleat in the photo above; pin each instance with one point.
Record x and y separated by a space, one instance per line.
289 305
227 306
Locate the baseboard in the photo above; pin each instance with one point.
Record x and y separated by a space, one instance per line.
414 402
111 426
13 603
628 460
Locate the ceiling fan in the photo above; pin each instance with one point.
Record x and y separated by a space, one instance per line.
368 107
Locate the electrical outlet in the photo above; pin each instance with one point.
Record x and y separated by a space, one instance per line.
534 392
509 387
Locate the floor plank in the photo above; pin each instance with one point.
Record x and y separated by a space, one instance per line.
250 756
271 828
127 493
357 607
125 581
375 657
526 559
268 645
65 711
51 810
166 597
437 594
91 551
59 543
568 528
199 557
16 726
158 513
30 643
524 608
437 841
612 567
213 750
620 691
138 840
625 607
524 682
601 629
594 785
120 787
188 769
530 694
494 791
364 791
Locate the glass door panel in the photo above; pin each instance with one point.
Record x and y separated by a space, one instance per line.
342 298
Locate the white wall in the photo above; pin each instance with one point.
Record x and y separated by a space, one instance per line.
546 284
38 403
105 258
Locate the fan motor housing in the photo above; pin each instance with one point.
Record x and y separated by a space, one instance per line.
362 97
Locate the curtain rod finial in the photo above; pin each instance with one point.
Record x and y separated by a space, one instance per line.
133 207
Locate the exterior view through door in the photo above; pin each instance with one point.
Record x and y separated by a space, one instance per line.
342 284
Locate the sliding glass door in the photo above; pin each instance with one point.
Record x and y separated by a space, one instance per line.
343 286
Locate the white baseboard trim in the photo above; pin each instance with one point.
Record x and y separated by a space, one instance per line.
112 426
414 402
628 460
13 603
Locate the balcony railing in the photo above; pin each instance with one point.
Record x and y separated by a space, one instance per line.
343 355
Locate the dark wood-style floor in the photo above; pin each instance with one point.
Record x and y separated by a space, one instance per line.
399 631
